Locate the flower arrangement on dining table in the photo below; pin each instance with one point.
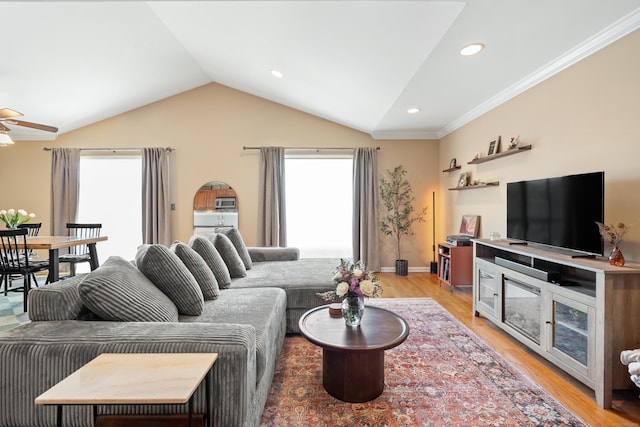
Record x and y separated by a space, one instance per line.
352 280
13 218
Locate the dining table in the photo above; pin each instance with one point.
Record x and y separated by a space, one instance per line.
54 243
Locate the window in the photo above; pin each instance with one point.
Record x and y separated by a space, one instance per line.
111 194
319 205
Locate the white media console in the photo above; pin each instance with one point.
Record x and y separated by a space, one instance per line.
578 313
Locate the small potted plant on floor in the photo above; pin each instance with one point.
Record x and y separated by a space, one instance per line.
398 199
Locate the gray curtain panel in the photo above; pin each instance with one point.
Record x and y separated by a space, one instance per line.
156 221
65 187
365 207
272 224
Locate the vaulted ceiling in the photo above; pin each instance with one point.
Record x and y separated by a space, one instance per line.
362 64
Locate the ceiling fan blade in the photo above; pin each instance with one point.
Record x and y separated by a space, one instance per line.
32 125
5 113
3 128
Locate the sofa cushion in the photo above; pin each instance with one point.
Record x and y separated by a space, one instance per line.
57 301
205 248
229 254
264 309
118 291
199 268
236 239
273 253
171 276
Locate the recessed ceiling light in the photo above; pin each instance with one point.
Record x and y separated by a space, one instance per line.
413 110
276 73
471 49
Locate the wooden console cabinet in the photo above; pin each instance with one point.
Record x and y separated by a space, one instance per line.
455 265
578 313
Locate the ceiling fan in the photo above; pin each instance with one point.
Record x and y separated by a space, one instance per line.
7 116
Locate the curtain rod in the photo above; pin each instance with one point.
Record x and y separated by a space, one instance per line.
169 149
308 148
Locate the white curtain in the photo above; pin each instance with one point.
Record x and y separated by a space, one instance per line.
365 207
156 219
272 224
65 187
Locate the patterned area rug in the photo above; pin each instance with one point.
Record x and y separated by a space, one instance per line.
11 311
442 375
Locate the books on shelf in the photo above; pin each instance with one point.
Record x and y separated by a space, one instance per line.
445 269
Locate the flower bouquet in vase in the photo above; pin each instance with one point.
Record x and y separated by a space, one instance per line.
13 219
353 282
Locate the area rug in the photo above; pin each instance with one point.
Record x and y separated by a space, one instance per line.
442 375
12 311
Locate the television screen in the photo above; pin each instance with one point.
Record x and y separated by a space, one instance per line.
558 212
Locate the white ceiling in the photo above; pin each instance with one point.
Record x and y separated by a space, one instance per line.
358 63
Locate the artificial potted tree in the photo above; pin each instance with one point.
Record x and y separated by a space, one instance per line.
398 199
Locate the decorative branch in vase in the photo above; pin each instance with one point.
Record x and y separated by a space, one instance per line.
613 235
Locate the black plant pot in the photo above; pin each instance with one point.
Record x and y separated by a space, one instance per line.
402 267
434 267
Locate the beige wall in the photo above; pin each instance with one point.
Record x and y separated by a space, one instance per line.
208 126
584 119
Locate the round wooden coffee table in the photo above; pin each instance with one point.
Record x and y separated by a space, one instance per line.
353 358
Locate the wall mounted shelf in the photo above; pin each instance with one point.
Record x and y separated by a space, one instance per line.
451 169
473 187
499 155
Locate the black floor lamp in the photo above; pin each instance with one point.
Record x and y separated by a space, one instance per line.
434 263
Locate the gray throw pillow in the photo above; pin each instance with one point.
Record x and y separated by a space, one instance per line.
172 277
199 268
210 254
238 242
117 291
229 254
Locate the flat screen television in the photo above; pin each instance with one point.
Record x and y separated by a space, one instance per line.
559 212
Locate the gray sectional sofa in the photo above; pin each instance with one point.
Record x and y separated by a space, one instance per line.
73 321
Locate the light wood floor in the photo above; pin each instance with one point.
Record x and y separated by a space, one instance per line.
574 395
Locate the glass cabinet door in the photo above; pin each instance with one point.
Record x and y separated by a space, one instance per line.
487 290
572 327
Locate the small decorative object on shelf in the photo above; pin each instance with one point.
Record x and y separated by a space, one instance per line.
13 219
463 180
452 163
353 283
494 146
513 143
613 234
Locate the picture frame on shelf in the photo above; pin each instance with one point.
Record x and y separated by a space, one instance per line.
463 179
470 225
494 146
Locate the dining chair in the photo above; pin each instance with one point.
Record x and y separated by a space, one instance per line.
80 253
34 230
13 261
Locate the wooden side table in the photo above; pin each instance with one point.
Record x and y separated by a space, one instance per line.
455 265
132 379
353 358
